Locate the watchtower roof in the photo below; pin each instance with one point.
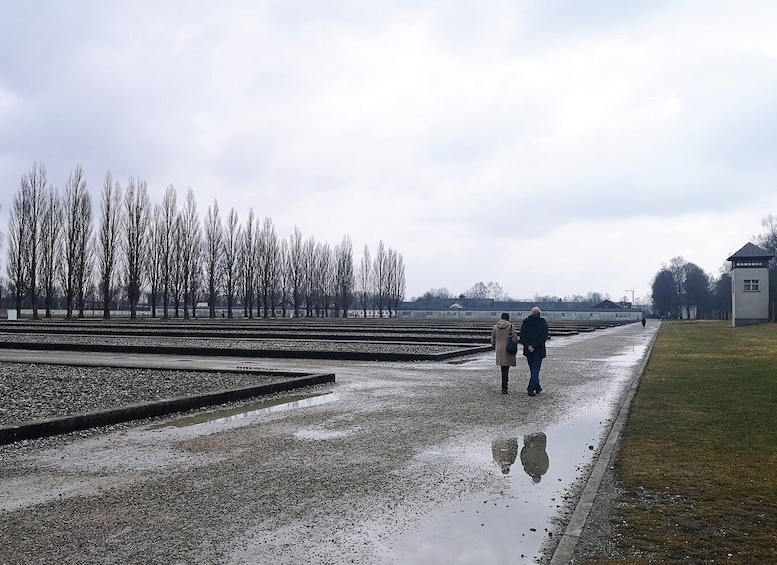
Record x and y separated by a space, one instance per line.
751 251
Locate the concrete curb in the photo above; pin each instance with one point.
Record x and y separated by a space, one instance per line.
66 424
574 529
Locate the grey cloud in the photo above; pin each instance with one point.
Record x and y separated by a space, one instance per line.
469 118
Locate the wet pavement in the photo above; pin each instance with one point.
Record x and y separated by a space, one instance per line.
395 463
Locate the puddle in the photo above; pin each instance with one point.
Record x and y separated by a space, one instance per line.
250 410
629 357
511 526
536 472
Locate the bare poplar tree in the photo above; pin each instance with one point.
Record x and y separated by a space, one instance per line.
214 258
401 287
391 265
176 264
365 278
168 244
269 258
395 280
17 248
85 265
77 233
136 234
50 245
248 264
325 279
344 277
156 256
231 254
309 274
191 244
108 241
284 275
315 280
379 268
296 270
34 185
196 283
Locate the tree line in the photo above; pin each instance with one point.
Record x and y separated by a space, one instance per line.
59 253
494 291
683 289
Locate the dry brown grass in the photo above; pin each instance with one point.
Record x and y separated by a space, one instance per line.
699 459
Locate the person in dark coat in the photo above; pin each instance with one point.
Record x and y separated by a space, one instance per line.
501 333
534 456
533 335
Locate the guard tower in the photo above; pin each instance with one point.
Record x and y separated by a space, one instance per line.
750 286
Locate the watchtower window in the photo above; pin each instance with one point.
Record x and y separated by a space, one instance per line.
739 263
751 285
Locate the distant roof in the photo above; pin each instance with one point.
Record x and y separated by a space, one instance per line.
608 305
751 251
491 305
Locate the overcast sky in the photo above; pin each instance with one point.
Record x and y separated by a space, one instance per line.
553 147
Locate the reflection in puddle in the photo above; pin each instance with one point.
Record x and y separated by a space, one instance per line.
247 411
534 456
505 451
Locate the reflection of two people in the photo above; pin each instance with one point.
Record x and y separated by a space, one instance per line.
534 457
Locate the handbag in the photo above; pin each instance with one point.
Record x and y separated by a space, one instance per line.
511 347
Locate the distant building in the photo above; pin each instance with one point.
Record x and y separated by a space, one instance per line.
750 286
488 309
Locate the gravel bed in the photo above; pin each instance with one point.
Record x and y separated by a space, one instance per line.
231 343
32 392
302 333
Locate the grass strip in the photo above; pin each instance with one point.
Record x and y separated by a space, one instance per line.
698 463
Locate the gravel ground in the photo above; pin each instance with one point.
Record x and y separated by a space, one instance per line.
351 479
32 392
242 343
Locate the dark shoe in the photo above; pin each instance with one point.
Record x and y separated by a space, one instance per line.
504 391
539 390
532 393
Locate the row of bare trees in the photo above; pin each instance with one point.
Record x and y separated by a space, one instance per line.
176 261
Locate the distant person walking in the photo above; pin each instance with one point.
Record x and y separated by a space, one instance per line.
503 334
533 335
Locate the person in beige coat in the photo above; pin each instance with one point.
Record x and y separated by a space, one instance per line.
502 333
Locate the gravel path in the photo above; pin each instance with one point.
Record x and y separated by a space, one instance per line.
392 464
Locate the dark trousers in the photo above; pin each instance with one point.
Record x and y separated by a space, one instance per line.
535 363
505 377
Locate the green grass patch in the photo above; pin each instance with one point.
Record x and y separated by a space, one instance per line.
698 463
